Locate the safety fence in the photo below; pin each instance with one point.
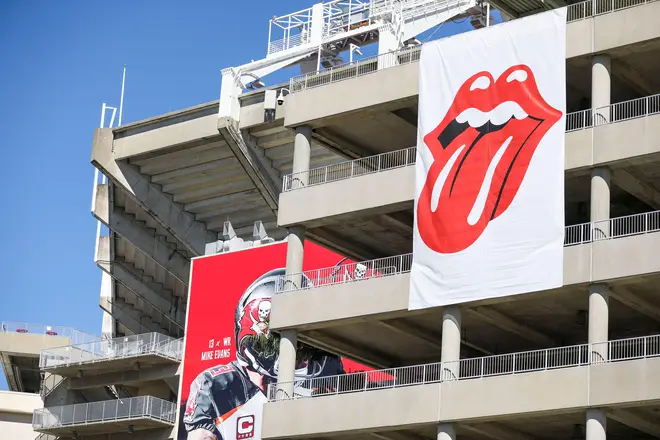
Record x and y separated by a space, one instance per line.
382 267
111 349
76 336
575 12
621 111
142 407
472 368
349 169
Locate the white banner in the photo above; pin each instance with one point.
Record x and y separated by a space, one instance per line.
489 190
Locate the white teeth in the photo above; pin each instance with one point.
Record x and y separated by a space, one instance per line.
497 116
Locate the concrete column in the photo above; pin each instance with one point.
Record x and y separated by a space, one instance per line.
601 87
600 202
599 295
596 424
301 156
451 342
446 432
294 258
286 364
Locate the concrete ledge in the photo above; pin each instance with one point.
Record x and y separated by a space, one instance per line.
574 388
591 35
338 304
384 191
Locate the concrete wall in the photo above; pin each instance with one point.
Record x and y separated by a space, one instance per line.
332 305
591 35
16 415
388 189
617 384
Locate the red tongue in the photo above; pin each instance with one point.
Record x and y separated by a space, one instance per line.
447 229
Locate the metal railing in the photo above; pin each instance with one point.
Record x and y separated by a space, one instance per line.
473 368
575 12
354 69
142 407
76 336
349 169
620 111
346 273
111 349
573 235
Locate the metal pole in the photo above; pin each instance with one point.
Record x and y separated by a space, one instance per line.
121 100
487 23
102 115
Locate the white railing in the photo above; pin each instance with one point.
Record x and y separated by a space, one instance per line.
474 368
573 235
621 111
592 8
143 407
76 336
353 70
111 349
346 273
578 11
349 169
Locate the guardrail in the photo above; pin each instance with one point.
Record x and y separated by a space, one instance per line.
473 368
575 12
142 407
382 267
76 336
349 169
618 112
110 349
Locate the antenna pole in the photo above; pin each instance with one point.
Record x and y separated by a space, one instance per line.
121 100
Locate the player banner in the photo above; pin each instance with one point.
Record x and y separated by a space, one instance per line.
231 356
489 190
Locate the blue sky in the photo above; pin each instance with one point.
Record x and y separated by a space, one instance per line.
60 61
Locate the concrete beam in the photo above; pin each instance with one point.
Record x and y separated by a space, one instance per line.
506 323
124 377
347 349
502 7
626 73
256 168
182 225
341 245
145 239
497 431
340 144
628 298
163 301
131 319
635 421
631 184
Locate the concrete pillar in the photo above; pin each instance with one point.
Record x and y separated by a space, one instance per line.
286 364
301 156
601 87
451 342
599 295
446 432
294 258
596 424
600 202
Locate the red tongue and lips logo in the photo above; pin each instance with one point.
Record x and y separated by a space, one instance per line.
481 165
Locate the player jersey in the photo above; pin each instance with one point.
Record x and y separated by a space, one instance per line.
224 401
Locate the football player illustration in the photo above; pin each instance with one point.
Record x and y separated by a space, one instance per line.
226 401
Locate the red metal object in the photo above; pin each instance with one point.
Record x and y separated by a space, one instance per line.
21 330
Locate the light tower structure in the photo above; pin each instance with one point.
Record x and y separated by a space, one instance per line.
315 38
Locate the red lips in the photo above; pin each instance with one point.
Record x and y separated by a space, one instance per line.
482 166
